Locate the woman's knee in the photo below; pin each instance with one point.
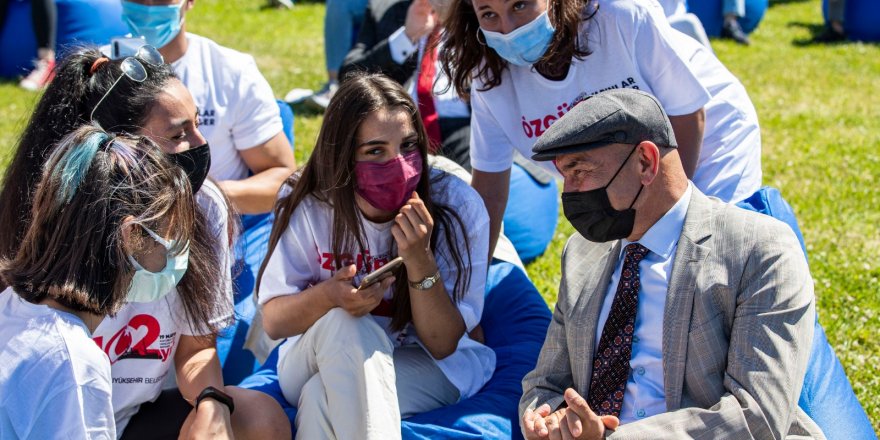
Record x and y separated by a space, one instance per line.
257 415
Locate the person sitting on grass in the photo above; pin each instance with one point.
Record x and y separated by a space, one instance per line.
678 315
524 65
142 96
238 114
357 360
111 216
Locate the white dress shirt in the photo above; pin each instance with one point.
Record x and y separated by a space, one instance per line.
645 395
446 100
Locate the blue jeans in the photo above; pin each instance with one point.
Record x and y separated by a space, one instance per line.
734 7
340 21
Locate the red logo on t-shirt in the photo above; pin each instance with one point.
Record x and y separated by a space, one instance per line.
135 339
534 128
365 262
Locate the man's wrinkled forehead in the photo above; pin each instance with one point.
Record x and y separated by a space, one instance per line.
589 158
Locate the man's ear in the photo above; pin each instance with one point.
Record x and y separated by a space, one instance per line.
649 161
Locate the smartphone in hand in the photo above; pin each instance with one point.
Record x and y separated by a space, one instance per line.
381 273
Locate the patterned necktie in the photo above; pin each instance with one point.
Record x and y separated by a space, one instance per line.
611 362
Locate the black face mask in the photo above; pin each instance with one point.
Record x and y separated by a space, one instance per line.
591 213
195 162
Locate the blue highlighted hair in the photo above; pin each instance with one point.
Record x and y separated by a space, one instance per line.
75 164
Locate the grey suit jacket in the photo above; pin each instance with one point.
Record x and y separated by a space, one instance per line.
737 329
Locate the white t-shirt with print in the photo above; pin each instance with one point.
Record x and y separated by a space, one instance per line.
632 46
304 257
54 381
237 108
142 338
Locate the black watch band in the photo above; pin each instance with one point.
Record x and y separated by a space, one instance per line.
220 396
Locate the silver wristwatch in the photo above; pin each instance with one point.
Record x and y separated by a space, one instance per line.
426 283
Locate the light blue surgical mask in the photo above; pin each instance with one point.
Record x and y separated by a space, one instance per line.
158 24
149 286
525 45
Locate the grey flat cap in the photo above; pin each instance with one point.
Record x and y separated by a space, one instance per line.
617 116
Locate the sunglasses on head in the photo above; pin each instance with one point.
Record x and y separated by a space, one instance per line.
132 68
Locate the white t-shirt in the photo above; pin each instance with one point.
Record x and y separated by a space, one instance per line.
304 257
142 338
237 108
673 7
632 46
54 381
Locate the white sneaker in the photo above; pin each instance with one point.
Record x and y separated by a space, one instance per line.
281 3
40 77
321 99
297 96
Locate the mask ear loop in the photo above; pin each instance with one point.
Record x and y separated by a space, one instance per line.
622 165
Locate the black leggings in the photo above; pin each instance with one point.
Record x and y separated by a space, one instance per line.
44 14
159 420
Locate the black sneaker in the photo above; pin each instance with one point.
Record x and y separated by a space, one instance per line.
732 30
829 35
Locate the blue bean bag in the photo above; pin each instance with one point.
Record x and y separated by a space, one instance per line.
827 396
531 214
709 13
861 18
80 22
250 250
515 321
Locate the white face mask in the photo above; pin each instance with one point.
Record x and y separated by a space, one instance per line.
149 286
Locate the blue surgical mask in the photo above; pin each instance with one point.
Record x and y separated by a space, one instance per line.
158 24
149 286
525 45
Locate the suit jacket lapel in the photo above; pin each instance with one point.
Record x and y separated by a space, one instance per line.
586 312
692 250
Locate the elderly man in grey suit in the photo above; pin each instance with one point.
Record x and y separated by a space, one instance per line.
678 316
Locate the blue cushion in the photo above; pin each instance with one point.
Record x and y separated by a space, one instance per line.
709 13
80 22
286 120
827 396
515 321
250 249
531 214
860 18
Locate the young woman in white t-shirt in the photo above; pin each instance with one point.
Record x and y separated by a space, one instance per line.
112 219
149 341
523 64
356 361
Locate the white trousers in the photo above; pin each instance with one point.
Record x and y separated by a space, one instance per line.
348 382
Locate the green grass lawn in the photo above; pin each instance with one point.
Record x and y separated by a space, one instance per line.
819 112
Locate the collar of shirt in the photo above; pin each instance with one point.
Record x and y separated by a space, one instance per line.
662 237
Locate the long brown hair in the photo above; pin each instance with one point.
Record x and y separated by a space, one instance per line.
467 56
92 184
328 177
67 104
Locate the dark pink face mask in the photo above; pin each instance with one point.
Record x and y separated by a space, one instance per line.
388 185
